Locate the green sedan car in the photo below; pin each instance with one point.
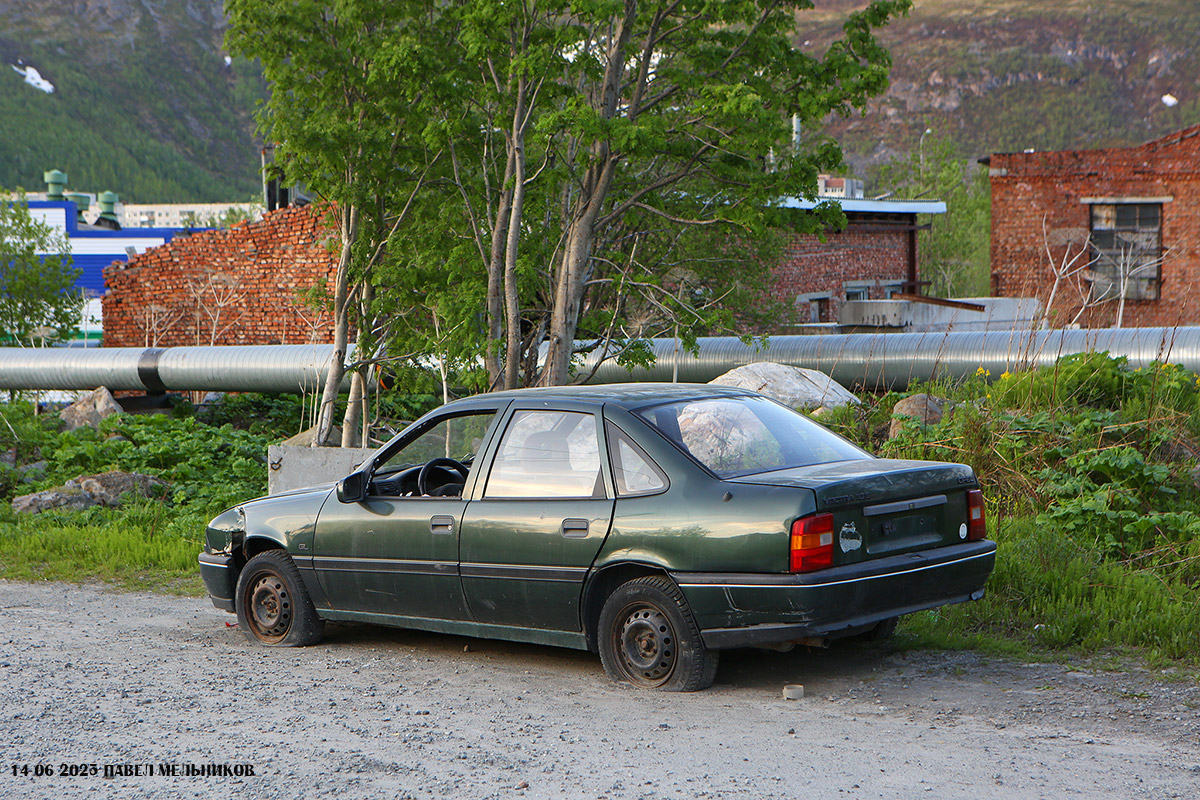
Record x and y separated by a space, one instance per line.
656 524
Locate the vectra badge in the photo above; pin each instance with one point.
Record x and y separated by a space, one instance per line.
850 538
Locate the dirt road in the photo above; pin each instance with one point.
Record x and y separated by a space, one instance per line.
95 682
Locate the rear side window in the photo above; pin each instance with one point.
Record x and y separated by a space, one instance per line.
633 471
547 454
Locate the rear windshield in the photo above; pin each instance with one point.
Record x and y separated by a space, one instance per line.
735 436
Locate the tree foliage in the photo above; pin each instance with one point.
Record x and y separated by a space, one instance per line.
955 250
38 301
532 179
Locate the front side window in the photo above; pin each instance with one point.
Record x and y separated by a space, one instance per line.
734 436
1126 250
547 454
454 440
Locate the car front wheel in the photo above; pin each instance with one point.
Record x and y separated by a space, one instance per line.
648 637
273 607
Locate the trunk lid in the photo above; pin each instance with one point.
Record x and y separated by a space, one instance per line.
884 507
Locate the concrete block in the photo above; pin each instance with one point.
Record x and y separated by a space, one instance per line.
290 467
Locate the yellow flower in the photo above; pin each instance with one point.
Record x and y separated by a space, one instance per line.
1005 375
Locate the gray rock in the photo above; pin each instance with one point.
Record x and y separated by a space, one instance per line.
925 407
86 491
89 410
68 497
795 387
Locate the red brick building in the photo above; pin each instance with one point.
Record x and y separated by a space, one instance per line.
1121 227
243 285
872 258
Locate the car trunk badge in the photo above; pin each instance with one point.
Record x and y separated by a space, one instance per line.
850 538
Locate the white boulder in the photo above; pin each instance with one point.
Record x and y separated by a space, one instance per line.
795 387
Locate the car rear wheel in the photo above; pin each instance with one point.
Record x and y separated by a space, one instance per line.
881 632
273 607
648 637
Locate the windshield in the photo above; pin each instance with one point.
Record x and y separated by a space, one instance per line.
735 436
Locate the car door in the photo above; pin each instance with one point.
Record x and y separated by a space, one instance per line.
538 521
395 552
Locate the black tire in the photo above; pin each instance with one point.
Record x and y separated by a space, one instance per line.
648 637
881 632
273 606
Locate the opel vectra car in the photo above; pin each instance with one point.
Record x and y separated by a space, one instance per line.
657 524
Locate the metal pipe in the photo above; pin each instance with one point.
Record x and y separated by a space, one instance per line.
894 360
298 368
871 361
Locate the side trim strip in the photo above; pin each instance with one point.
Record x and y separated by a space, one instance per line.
524 572
386 565
905 505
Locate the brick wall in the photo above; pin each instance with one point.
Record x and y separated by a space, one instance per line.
242 286
1038 205
860 253
227 287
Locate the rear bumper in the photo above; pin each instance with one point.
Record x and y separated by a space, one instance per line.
743 610
217 570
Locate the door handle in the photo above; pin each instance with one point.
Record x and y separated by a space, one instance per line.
441 524
574 528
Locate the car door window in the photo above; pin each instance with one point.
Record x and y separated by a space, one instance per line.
547 454
458 438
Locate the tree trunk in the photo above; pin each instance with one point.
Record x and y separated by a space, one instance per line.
354 410
512 300
348 225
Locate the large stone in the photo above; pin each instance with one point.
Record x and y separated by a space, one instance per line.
89 410
86 491
795 387
924 407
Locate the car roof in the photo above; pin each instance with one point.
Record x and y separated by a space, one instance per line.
627 395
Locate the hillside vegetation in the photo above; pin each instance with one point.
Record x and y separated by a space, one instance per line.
1008 75
143 103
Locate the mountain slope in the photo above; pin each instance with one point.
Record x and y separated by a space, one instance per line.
1008 75
144 102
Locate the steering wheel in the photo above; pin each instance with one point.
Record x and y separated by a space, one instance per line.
438 463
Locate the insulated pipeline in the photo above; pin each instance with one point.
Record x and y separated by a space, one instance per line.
871 361
267 368
893 360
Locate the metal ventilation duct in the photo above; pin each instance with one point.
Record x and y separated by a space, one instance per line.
893 360
268 368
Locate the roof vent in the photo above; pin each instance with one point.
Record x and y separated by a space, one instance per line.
108 216
55 180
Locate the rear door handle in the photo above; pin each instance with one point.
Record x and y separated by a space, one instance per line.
575 528
441 524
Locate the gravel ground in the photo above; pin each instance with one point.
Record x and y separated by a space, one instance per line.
118 680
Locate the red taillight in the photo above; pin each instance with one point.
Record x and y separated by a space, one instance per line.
812 543
976 527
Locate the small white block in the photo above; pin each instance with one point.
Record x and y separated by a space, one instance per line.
793 691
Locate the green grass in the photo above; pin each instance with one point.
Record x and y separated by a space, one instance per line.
145 546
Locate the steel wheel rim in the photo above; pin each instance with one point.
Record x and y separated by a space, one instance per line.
269 607
646 645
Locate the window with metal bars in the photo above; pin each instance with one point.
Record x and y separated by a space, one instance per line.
1127 250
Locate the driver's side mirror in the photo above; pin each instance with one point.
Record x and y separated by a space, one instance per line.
352 488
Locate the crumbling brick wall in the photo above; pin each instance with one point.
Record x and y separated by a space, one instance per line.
241 286
866 254
1041 214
